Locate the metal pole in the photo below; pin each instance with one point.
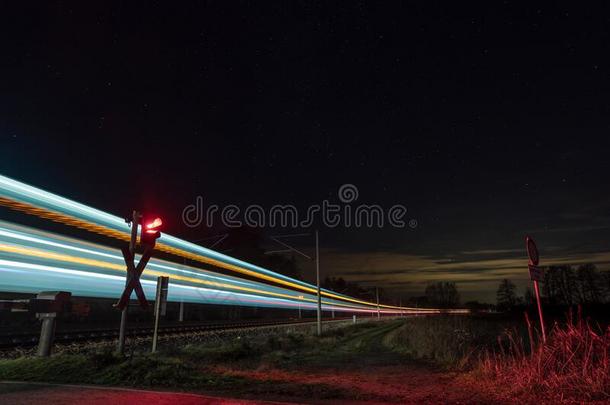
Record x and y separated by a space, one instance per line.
318 286
537 290
181 315
47 333
157 314
377 294
121 348
135 220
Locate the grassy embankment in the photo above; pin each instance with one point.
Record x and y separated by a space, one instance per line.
574 364
193 367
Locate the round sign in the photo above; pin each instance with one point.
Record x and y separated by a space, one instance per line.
532 251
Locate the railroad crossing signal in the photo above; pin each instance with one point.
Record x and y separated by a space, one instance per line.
148 236
150 231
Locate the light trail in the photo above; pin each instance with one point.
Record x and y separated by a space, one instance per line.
99 260
31 261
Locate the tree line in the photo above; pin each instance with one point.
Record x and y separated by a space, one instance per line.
562 285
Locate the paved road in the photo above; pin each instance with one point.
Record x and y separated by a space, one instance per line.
14 393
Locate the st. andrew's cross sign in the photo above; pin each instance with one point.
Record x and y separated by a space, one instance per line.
133 277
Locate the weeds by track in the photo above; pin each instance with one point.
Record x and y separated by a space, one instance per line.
13 340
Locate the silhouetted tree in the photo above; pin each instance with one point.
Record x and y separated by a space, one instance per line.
350 288
561 285
442 294
586 285
506 296
589 284
605 281
568 285
337 284
477 306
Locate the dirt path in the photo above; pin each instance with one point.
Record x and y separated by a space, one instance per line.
371 372
392 384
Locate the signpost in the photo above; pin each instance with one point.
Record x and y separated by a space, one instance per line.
160 306
148 236
536 274
135 221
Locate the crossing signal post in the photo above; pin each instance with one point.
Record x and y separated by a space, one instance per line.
150 232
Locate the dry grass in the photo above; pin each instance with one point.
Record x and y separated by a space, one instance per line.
574 364
451 342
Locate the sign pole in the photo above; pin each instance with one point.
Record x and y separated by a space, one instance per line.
47 333
160 306
135 219
536 274
537 290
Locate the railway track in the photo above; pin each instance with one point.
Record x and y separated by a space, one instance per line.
29 339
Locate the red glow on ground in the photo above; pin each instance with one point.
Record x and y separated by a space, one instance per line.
408 384
50 394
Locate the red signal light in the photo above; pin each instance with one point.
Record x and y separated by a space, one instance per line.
154 224
150 231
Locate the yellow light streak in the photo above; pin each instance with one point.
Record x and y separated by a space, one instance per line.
105 231
113 266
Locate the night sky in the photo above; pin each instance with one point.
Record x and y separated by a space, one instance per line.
486 120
